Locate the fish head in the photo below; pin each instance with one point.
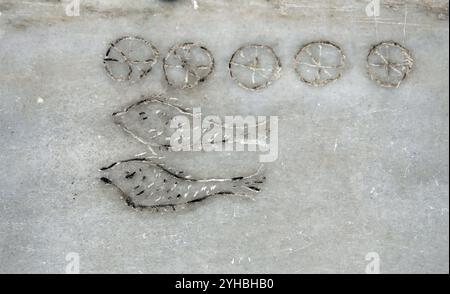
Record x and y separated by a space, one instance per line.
149 121
131 176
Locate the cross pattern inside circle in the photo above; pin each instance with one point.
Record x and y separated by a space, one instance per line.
319 63
187 64
130 59
255 66
389 63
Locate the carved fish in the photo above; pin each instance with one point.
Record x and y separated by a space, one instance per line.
149 122
148 184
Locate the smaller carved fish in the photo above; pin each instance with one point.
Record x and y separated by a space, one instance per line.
149 120
148 184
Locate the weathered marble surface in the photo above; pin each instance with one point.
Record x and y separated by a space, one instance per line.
361 169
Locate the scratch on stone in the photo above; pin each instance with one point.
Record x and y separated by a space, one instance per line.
195 4
404 23
406 172
375 19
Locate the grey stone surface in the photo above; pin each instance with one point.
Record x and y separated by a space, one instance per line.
360 169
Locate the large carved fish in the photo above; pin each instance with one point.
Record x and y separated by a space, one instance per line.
148 184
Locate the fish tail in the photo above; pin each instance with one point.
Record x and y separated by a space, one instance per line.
248 186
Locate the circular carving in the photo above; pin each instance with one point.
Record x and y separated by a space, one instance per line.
319 63
188 64
130 58
389 63
254 67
